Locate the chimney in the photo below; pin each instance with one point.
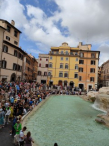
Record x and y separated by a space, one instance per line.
13 22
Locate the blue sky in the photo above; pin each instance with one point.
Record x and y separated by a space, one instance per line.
46 23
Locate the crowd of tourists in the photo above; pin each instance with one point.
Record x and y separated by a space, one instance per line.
19 98
16 100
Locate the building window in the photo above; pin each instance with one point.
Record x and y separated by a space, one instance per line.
81 54
5 48
71 53
4 64
62 52
15 33
80 78
61 65
60 74
75 75
39 64
66 75
8 38
76 59
49 73
19 55
57 52
39 73
46 65
27 61
66 58
14 66
8 28
66 66
46 59
92 70
15 42
66 53
92 55
15 53
51 58
92 62
50 65
18 67
76 53
40 59
91 79
61 58
45 73
80 69
81 61
76 66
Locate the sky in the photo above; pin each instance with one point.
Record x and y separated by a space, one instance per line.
46 23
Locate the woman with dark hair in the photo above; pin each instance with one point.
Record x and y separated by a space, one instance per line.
28 140
55 144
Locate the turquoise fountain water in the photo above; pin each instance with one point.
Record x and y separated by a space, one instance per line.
69 121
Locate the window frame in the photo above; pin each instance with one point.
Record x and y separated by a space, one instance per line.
4 64
60 73
5 49
75 76
61 65
8 38
92 79
81 69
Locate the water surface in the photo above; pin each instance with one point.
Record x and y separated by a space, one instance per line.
69 121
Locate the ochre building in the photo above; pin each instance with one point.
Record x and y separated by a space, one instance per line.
11 55
73 66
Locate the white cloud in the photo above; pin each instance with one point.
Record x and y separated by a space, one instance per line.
84 19
13 10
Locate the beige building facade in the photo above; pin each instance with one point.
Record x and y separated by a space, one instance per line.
104 74
42 68
11 55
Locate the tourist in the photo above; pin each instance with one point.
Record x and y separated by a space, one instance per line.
8 112
21 136
2 114
17 128
28 140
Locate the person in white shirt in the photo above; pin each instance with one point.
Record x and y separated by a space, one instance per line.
22 136
8 112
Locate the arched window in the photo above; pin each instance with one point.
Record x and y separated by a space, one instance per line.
66 75
60 74
4 64
39 73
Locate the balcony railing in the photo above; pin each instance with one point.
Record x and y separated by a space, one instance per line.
57 53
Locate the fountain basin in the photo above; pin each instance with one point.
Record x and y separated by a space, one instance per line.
67 120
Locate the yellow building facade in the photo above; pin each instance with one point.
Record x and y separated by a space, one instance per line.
66 69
